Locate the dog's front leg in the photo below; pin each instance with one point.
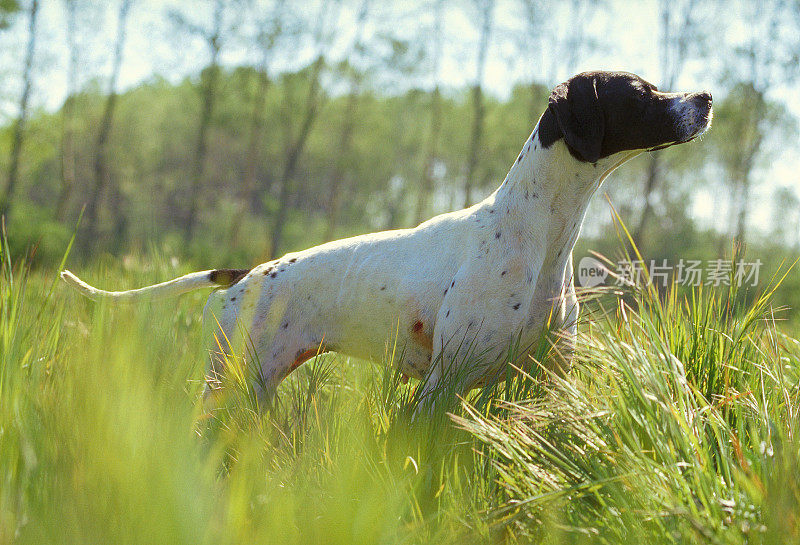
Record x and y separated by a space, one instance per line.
567 327
482 314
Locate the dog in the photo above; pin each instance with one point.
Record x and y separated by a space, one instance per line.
487 276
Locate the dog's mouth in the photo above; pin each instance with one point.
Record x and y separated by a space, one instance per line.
683 141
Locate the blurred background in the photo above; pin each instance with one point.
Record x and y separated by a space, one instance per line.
224 132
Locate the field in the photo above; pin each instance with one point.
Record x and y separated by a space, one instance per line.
678 424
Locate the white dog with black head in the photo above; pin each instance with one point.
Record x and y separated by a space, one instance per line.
486 277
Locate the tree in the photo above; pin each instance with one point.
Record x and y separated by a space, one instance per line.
534 13
213 37
68 113
485 14
101 170
297 142
682 28
426 182
250 197
19 125
7 10
355 75
743 120
764 56
787 211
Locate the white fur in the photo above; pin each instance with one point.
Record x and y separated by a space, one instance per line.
491 274
176 286
484 277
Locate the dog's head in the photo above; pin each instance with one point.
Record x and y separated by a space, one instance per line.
600 114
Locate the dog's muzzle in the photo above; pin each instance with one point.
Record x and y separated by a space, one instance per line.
694 115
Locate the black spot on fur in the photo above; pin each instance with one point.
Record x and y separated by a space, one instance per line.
285 325
491 210
445 291
497 234
273 275
453 283
293 260
503 273
227 277
383 288
516 307
233 298
448 314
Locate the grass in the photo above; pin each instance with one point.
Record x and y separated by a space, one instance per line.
678 424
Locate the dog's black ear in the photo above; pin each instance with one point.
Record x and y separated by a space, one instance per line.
576 108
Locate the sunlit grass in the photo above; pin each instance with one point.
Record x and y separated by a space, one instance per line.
678 424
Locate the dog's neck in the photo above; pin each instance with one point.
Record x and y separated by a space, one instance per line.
544 197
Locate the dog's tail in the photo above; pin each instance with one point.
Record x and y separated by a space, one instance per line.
193 281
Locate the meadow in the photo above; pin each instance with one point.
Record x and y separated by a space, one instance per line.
166 137
677 424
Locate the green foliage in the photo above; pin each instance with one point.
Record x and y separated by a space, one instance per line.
152 144
7 10
678 424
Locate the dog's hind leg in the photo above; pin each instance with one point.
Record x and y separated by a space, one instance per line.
283 354
219 332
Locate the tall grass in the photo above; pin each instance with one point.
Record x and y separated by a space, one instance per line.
678 424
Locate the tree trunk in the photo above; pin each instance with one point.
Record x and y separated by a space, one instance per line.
477 101
296 148
653 175
745 179
209 90
101 174
426 182
68 118
297 145
19 127
674 44
751 148
741 215
249 198
337 174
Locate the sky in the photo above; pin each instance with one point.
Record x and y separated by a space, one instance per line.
626 34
